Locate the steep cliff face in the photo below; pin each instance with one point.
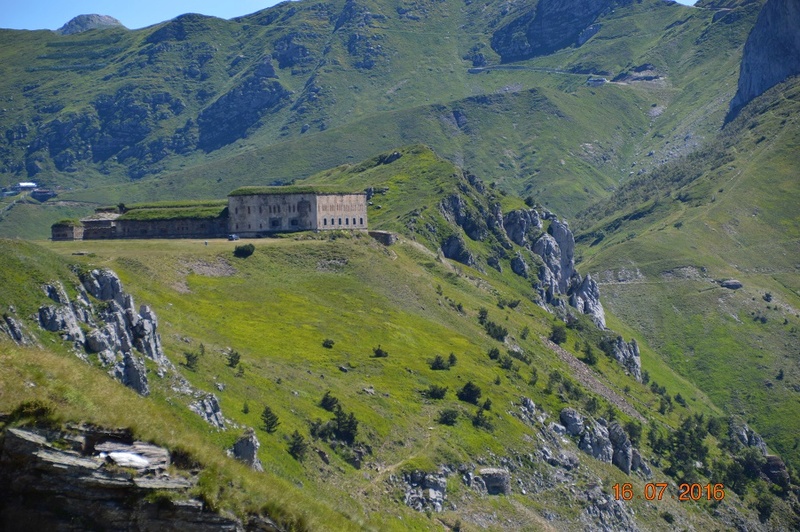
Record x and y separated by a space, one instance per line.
771 53
552 25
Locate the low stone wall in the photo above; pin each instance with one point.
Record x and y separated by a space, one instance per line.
186 228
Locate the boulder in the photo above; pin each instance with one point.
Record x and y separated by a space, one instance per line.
627 354
61 319
497 481
208 408
246 450
572 421
102 284
595 442
731 284
519 266
623 449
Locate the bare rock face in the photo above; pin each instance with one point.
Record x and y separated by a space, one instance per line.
771 53
246 450
519 266
552 25
623 449
595 442
208 408
454 248
627 354
572 421
519 225
585 297
83 23
81 487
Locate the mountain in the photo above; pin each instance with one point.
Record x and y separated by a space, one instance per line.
83 23
595 212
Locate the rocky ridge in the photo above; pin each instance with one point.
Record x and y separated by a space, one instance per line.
104 327
83 23
771 53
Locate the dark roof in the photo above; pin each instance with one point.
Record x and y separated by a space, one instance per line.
294 189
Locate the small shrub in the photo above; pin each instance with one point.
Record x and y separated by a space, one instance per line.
448 416
451 360
534 377
233 358
327 343
439 363
524 332
498 332
329 402
436 392
192 360
480 421
469 393
270 420
487 404
297 446
243 251
483 313
558 335
378 352
494 353
245 408
589 356
506 362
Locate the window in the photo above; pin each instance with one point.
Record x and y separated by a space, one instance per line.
324 221
347 221
248 210
361 221
294 222
354 221
340 221
275 222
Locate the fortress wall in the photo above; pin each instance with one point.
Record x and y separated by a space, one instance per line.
342 211
258 214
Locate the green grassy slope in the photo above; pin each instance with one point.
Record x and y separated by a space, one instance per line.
731 212
276 307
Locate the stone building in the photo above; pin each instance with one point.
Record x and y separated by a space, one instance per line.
250 212
256 211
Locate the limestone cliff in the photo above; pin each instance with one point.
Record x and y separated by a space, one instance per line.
771 53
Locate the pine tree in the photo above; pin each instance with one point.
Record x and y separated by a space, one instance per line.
297 446
270 420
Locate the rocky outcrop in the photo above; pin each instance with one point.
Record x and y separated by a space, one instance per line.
521 226
496 480
425 490
550 26
603 442
95 479
15 330
519 266
585 297
246 450
771 53
83 23
604 512
456 210
627 354
453 247
741 436
207 407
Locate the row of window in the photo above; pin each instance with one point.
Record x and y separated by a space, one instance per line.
341 207
346 221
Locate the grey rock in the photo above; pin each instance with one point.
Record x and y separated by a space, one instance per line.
132 373
520 224
627 354
558 429
61 319
731 284
103 285
97 342
639 464
454 248
623 449
83 23
585 297
566 243
519 266
15 331
743 436
550 252
57 293
572 420
456 209
595 443
771 53
246 450
497 481
605 513
494 262
208 408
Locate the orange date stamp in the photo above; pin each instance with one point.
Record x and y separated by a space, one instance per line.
657 491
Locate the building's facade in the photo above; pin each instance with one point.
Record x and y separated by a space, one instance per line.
257 211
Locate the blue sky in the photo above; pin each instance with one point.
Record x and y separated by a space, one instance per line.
52 14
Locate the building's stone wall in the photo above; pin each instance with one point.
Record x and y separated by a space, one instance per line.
342 211
99 230
186 228
260 214
67 232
